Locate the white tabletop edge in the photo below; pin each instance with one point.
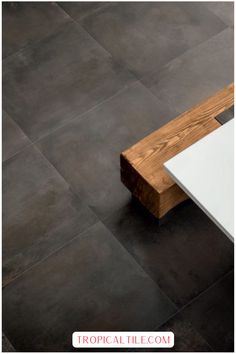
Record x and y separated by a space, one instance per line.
170 167
199 205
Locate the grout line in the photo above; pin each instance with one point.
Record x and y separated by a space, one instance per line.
151 276
180 310
125 64
30 144
200 294
186 52
36 42
77 23
172 317
63 178
106 4
81 234
80 118
217 16
141 267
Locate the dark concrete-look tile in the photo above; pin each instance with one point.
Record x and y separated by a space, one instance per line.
13 139
223 9
26 22
40 213
78 10
86 152
92 277
212 314
6 345
58 79
197 74
184 255
147 35
187 339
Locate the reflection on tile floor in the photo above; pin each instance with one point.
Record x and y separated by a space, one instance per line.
81 83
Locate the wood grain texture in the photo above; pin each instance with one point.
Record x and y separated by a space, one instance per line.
142 169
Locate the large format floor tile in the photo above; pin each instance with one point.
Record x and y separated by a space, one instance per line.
6 345
197 74
13 139
147 35
78 10
223 9
187 339
212 314
58 79
86 152
184 255
27 22
40 213
90 283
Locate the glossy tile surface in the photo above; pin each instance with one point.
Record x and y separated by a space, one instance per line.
60 78
103 293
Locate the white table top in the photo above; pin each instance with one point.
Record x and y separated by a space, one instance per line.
205 171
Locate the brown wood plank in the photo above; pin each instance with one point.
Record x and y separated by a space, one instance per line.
142 168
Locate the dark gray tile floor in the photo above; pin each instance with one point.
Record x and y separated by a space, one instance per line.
97 139
196 74
82 82
6 345
215 306
94 283
25 25
163 32
14 139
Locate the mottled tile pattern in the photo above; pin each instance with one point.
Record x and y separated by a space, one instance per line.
147 35
213 312
79 10
82 82
13 139
40 213
92 283
25 23
187 338
224 10
197 74
6 345
176 253
97 141
58 79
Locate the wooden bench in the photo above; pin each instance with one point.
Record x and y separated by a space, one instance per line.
142 170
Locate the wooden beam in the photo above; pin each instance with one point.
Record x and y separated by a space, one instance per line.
142 170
